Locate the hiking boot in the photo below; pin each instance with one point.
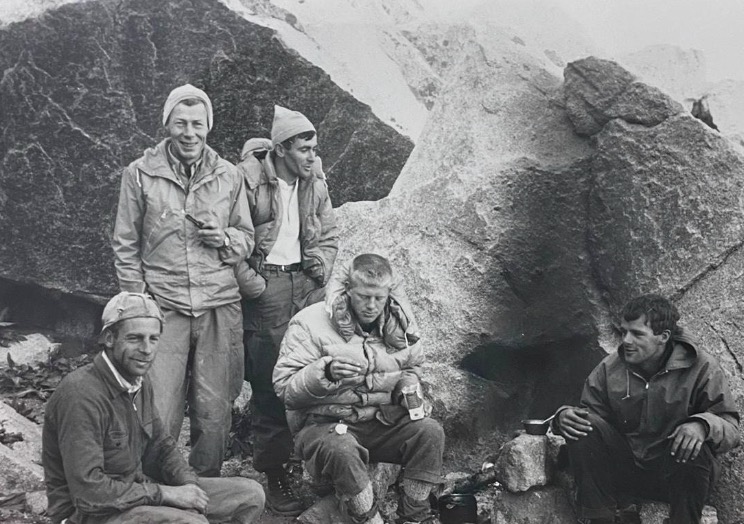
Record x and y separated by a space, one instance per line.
281 498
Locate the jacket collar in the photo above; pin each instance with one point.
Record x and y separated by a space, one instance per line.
112 385
155 163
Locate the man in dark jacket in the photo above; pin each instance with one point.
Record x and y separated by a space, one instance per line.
653 418
296 244
107 457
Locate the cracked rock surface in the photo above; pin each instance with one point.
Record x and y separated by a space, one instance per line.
81 96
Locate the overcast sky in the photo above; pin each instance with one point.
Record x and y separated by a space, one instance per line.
715 27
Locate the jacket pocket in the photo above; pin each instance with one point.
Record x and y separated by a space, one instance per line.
117 457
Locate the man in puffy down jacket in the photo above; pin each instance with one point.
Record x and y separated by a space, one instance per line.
182 225
296 245
653 417
340 372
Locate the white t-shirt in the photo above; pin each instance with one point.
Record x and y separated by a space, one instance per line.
286 249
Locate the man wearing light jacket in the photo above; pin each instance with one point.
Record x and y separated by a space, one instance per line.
296 244
653 417
183 223
341 373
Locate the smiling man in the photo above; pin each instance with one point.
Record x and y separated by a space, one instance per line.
183 223
296 246
653 417
344 371
107 458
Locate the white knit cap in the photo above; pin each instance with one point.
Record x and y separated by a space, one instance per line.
288 123
182 93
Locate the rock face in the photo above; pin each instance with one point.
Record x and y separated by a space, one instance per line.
82 94
520 240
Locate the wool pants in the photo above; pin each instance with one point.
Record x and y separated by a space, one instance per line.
199 359
235 499
608 477
265 320
342 460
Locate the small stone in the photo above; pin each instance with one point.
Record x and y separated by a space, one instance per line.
522 463
37 502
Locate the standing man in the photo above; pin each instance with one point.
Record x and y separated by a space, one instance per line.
348 373
107 457
296 245
653 417
182 225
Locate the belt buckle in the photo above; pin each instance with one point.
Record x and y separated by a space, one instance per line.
284 268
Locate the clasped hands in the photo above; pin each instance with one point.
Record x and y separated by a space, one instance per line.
687 439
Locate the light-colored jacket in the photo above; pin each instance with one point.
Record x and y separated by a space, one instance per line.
318 231
691 386
157 249
314 336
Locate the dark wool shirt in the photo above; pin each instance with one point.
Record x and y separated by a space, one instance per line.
104 449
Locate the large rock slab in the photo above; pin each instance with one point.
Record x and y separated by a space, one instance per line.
486 225
18 474
82 95
598 91
28 449
519 240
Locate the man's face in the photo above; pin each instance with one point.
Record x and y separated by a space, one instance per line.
187 127
299 159
368 302
641 347
132 350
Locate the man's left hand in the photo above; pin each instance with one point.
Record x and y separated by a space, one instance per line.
687 440
211 235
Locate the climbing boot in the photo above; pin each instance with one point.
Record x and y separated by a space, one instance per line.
281 498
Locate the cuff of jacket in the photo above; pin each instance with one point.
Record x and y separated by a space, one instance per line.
235 252
132 286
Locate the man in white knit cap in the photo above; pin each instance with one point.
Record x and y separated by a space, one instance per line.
295 248
182 225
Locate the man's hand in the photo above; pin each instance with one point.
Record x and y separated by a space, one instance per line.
573 423
211 235
188 496
688 440
343 367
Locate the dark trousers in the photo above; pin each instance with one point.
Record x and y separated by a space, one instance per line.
342 460
265 321
607 477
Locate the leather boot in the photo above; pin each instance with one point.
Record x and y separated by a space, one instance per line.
281 498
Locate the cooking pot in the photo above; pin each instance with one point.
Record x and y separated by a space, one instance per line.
458 508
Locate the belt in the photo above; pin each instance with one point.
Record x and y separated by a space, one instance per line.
290 268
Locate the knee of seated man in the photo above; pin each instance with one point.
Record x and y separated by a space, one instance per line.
430 429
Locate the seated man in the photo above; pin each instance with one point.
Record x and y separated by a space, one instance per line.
340 373
106 456
652 419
